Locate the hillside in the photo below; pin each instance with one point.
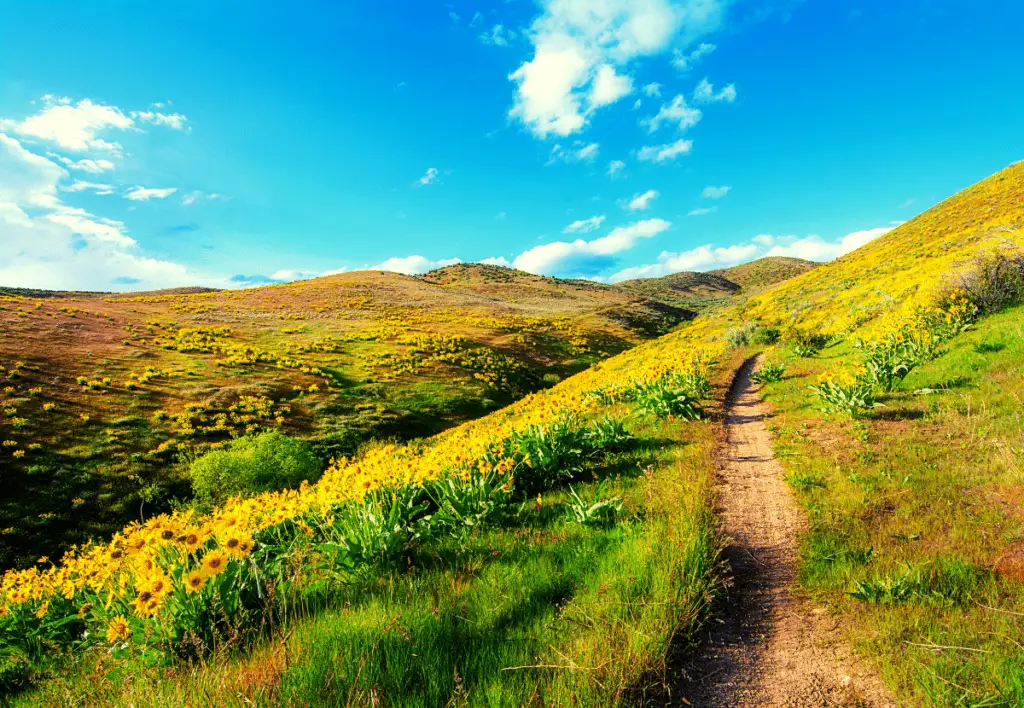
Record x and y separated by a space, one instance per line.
564 549
703 291
104 392
765 271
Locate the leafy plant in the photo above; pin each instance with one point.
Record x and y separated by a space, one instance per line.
846 393
601 511
769 372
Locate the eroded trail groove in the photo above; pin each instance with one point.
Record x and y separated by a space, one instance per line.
772 647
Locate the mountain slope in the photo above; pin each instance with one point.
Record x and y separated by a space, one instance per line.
104 392
765 271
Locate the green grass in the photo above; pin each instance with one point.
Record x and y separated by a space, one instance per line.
917 525
540 610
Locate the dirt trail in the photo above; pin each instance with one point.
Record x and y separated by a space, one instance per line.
772 648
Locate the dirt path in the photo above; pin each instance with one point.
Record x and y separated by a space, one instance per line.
772 648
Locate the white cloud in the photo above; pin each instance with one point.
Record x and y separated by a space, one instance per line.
664 153
429 177
497 261
81 186
73 126
715 192
175 121
190 198
413 265
676 112
477 19
608 87
94 167
578 152
705 93
583 226
639 202
684 61
47 244
499 35
500 216
615 166
653 90
144 194
454 16
574 39
709 257
703 211
587 258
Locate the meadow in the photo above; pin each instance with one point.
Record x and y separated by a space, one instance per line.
562 549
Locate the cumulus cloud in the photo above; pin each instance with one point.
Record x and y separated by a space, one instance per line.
676 113
583 226
144 194
715 192
705 93
429 177
639 202
709 257
615 166
664 153
587 258
608 87
581 49
684 61
413 265
72 126
48 244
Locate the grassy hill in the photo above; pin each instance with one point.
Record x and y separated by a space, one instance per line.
703 291
765 271
562 550
103 393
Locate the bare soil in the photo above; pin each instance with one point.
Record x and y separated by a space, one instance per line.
771 646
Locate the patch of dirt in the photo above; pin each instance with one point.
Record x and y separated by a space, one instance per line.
772 647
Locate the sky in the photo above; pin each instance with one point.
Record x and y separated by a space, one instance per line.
230 144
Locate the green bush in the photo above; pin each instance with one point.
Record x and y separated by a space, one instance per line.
993 281
251 465
765 336
769 372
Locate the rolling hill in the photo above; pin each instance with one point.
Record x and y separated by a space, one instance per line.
104 392
564 550
704 291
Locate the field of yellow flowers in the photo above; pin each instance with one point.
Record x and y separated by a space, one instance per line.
101 395
179 585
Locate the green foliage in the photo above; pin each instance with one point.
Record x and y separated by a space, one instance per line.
946 581
808 343
250 465
663 398
846 394
467 504
602 510
769 372
740 336
765 336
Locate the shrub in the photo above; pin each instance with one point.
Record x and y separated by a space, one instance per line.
807 344
765 336
250 465
663 398
994 280
740 336
602 511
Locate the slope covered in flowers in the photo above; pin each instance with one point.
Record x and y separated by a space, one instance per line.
140 585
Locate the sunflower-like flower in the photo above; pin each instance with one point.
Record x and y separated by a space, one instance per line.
118 629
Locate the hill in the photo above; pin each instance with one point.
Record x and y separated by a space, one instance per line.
702 291
563 550
105 392
765 272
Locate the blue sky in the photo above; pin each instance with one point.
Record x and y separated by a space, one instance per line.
153 144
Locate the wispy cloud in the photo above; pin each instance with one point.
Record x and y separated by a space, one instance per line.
712 192
429 177
684 61
676 114
615 166
664 153
705 93
583 226
639 202
144 194
703 211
